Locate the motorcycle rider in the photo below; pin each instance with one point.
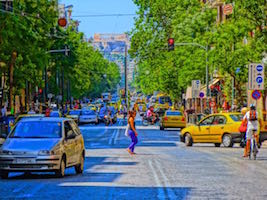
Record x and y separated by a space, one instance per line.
151 116
252 120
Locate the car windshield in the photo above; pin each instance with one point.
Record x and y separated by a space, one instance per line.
237 117
75 112
37 129
163 100
88 112
54 114
174 113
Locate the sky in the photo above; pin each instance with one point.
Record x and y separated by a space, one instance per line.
111 24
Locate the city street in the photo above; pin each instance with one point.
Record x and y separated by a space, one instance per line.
163 168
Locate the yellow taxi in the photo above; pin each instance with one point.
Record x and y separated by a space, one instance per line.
263 130
92 107
221 128
141 106
173 119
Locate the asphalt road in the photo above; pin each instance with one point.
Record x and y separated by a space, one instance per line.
162 169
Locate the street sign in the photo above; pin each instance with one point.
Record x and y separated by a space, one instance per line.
196 85
228 9
256 94
50 96
256 76
201 94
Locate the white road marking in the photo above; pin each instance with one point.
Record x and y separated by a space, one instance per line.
161 194
112 137
167 184
118 127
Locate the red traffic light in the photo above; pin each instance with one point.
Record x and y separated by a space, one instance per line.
40 91
62 22
170 44
171 41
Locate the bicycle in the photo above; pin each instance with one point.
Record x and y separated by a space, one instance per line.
253 145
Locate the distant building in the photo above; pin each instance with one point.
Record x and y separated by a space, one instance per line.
112 46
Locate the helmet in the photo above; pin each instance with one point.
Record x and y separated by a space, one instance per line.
252 106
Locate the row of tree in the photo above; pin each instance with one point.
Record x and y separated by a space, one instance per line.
238 40
27 32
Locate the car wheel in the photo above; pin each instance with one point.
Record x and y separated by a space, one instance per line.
4 174
217 144
161 128
61 172
80 166
227 140
188 140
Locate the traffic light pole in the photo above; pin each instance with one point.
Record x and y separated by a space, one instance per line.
206 48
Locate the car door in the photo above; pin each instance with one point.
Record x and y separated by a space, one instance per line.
79 143
202 131
217 128
69 143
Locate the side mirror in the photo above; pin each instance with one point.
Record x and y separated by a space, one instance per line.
70 134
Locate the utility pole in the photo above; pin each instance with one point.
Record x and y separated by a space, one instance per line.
125 77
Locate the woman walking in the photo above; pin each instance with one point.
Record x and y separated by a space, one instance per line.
132 132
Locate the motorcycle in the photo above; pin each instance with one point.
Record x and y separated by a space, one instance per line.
148 120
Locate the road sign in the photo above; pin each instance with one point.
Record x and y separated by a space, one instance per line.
256 76
256 94
196 85
227 9
201 94
50 95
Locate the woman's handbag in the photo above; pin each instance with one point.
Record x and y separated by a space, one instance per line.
127 131
243 127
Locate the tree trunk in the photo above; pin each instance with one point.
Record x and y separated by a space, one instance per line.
11 80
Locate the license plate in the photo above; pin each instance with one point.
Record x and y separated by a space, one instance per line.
25 160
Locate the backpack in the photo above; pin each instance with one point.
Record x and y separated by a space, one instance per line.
252 115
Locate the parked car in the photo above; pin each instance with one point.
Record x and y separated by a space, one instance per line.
43 144
88 116
173 119
74 114
221 128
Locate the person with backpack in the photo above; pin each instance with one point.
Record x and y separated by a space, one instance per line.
132 132
252 120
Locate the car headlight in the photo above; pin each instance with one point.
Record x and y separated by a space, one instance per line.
45 153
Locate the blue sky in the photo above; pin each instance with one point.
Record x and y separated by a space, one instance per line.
114 24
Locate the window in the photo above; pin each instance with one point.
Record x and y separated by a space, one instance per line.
237 118
75 128
219 120
207 121
37 129
67 128
174 113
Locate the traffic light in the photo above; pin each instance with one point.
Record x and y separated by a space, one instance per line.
170 44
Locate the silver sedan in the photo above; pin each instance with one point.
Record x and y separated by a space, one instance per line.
43 144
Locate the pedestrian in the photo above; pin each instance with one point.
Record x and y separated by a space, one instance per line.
47 111
132 132
252 120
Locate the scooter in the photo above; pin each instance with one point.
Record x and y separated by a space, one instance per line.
148 121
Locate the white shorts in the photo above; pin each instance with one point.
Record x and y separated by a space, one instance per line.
250 132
